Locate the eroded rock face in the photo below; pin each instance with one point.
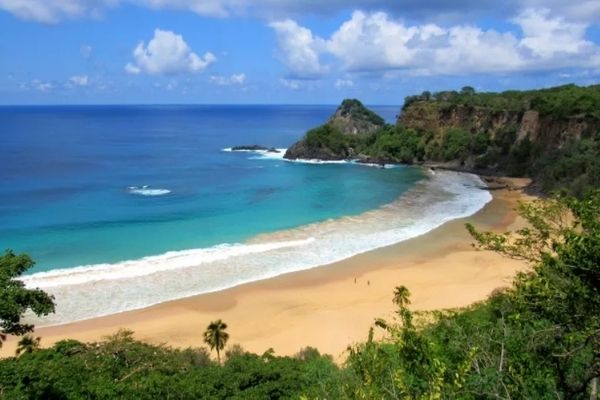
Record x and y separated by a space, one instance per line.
547 131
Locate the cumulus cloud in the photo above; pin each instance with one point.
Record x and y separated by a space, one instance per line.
79 80
167 53
545 36
235 79
370 42
299 49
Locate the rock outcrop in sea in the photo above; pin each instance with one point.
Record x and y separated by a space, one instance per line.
328 141
254 147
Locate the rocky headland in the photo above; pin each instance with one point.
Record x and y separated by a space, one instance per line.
551 135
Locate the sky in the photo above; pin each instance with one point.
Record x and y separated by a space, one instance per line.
288 51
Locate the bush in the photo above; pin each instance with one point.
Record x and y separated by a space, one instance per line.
455 144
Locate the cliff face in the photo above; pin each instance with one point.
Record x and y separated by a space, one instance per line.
543 132
331 141
548 130
431 117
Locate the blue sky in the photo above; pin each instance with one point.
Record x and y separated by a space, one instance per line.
285 51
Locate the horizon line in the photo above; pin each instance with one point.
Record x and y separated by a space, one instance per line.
183 104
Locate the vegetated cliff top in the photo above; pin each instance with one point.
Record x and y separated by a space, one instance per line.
353 118
560 101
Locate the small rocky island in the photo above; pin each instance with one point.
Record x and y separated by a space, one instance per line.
254 147
329 141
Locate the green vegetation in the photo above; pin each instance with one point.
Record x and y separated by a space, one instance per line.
358 111
16 299
216 337
560 101
123 368
329 138
537 339
574 167
395 144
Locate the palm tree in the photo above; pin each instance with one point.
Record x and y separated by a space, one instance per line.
401 296
216 337
28 344
2 338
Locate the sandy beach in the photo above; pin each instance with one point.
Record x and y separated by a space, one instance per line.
328 307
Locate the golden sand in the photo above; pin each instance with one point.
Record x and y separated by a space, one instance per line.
328 307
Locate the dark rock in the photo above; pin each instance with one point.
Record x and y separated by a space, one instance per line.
253 147
300 150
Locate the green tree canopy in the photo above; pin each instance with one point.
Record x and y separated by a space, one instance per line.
216 337
15 298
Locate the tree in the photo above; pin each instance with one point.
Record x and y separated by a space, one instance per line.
401 296
467 91
216 337
28 344
16 299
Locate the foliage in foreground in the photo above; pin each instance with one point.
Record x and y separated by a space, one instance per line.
538 339
16 299
124 368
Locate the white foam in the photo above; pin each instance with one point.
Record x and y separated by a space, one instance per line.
269 155
260 154
147 191
317 161
95 290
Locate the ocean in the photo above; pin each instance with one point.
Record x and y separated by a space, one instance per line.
123 207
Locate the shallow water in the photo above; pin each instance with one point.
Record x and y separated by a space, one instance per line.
124 207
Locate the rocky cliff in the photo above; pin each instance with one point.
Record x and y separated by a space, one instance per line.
552 135
331 141
546 131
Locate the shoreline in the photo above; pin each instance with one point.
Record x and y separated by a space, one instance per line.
327 307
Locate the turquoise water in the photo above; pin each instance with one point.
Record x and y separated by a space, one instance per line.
64 196
125 206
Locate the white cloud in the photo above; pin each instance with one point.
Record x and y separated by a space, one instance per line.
79 80
290 83
235 79
167 53
369 42
341 83
545 36
299 49
372 41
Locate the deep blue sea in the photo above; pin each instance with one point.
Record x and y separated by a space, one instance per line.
142 204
